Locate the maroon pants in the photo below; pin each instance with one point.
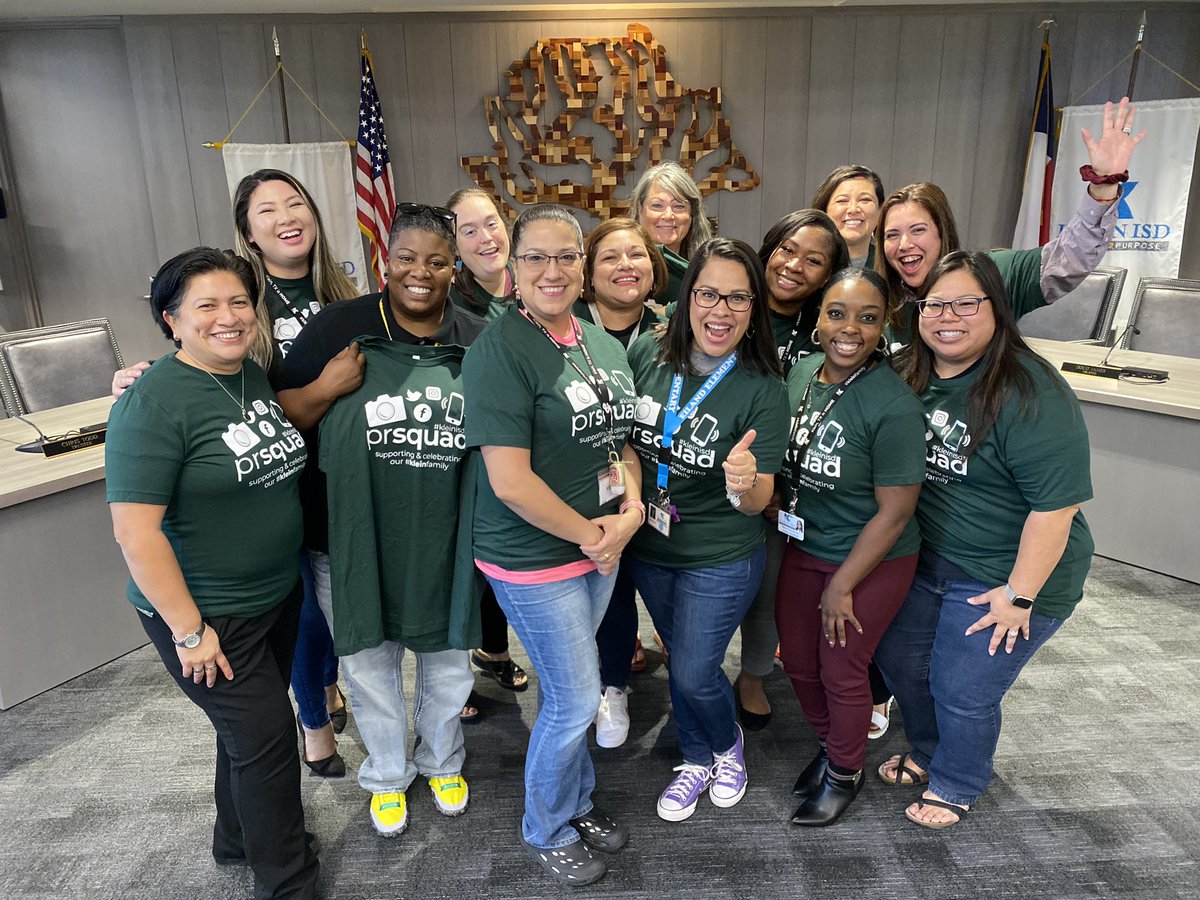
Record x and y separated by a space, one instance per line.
831 682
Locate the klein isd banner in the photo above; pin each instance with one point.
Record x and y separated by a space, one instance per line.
1153 204
325 170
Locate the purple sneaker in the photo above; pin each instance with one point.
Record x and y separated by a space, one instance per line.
729 775
679 800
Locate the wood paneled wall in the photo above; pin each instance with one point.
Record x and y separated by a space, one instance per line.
105 120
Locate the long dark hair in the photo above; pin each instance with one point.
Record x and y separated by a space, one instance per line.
756 352
1001 370
464 279
933 200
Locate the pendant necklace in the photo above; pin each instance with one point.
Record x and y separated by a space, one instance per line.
241 403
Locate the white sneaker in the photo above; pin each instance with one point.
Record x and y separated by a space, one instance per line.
612 719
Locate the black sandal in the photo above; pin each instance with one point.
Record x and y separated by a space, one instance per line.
902 768
504 671
572 864
600 832
960 811
471 718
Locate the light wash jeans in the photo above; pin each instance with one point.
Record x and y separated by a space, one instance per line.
557 623
444 681
948 687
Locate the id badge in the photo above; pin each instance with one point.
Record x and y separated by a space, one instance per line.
659 517
791 525
616 471
608 490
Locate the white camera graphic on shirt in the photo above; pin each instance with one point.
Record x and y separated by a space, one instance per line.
240 437
580 395
287 329
646 412
384 410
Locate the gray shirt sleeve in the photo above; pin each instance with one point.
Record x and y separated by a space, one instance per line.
1079 247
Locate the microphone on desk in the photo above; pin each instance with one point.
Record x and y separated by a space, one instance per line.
32 446
1124 373
1117 343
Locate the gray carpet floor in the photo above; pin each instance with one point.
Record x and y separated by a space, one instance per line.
105 790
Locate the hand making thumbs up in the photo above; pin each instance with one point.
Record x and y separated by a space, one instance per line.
741 468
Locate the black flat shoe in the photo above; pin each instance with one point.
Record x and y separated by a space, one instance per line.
573 864
831 799
751 721
810 779
329 767
600 832
504 671
338 716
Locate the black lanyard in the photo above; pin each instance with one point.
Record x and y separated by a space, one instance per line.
816 419
302 315
594 380
786 353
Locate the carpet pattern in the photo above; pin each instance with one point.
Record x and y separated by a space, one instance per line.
105 790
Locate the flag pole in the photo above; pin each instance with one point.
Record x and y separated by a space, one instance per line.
1137 52
287 130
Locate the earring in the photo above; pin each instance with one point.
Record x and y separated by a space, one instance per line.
815 338
883 344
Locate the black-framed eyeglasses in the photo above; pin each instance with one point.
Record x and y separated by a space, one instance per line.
568 259
707 299
420 209
965 307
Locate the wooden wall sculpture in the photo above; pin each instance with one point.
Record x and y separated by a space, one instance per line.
623 86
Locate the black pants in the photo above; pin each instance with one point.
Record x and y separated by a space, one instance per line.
494 624
257 790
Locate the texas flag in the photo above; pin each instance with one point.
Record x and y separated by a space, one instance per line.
1033 222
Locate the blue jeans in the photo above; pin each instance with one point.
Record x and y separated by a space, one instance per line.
948 687
314 666
557 623
696 612
376 684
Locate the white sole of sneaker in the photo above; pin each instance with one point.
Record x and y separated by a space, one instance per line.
726 802
677 815
392 833
611 743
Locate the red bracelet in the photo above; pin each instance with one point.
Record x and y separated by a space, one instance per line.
634 504
1091 176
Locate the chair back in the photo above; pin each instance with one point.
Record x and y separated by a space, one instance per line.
1166 314
1085 314
41 368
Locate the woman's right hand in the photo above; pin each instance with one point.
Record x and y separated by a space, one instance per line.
123 378
202 663
837 608
343 373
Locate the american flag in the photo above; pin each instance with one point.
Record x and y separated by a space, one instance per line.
374 187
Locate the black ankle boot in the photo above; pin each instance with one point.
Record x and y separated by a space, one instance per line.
810 778
826 805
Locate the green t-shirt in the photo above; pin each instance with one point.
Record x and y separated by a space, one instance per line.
586 312
231 487
676 268
494 308
973 508
290 312
522 393
710 532
874 436
393 454
793 339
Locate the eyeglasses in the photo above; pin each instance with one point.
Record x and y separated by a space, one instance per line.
567 260
962 306
737 302
420 209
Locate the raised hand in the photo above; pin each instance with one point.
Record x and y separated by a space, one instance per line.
1110 154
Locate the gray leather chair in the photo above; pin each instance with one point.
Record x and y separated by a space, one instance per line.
1085 314
1166 314
41 368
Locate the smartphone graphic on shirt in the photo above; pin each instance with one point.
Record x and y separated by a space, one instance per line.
454 408
704 429
830 435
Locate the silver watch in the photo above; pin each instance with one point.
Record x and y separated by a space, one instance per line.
1016 599
191 641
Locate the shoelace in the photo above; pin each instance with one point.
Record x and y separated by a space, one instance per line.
726 767
686 782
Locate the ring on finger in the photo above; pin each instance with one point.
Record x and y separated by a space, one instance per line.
1012 633
1127 129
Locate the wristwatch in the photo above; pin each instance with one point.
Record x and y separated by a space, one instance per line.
191 641
1016 599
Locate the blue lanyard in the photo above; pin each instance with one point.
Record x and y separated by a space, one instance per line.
674 417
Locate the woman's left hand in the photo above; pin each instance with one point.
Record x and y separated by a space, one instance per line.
837 608
1005 620
741 468
618 530
1110 154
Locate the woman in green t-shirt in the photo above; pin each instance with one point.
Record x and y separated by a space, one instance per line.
916 228
483 284
853 469
710 391
666 202
202 472
851 195
549 400
1005 547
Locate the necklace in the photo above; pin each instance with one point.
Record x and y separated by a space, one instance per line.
241 403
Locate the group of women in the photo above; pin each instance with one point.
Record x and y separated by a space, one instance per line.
919 508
